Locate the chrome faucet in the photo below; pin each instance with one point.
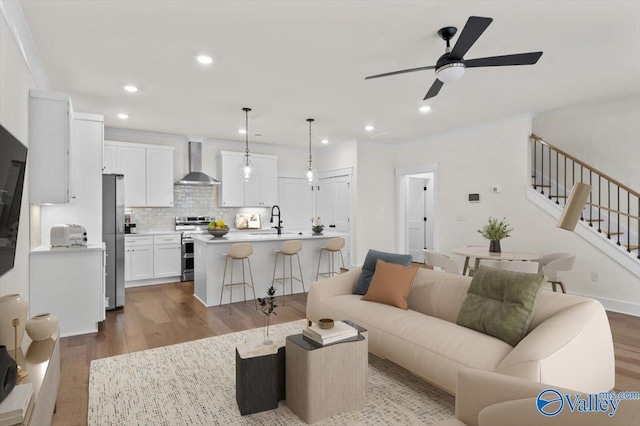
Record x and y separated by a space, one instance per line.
279 227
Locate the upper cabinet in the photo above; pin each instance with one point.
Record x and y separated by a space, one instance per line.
147 170
50 148
261 191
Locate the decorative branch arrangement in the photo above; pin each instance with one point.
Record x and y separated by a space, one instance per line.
496 230
267 307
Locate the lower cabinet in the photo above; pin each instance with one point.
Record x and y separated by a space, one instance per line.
68 283
148 257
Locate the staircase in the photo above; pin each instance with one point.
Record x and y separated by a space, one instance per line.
612 208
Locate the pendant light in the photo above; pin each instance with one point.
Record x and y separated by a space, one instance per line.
246 170
310 175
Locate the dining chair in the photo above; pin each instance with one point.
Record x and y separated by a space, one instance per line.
439 260
553 263
472 259
512 265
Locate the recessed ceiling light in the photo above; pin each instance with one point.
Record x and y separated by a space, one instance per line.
368 128
424 109
204 59
242 131
325 141
123 116
130 88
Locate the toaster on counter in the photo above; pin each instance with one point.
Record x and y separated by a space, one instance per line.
68 235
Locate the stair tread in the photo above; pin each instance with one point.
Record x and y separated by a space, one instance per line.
558 196
541 186
631 247
594 220
614 233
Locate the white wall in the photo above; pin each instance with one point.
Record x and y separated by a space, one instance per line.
15 82
605 135
471 161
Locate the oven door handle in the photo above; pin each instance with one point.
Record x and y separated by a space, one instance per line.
188 256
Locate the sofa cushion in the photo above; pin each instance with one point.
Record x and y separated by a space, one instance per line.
501 303
391 284
369 267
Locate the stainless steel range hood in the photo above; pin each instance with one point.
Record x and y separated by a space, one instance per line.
195 175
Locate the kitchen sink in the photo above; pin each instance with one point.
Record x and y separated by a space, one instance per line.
273 233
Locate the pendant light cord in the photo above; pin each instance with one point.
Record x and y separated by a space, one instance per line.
246 135
310 120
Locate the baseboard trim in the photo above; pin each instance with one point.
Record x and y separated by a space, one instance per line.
151 281
615 305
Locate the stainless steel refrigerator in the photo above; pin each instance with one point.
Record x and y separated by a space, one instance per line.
113 237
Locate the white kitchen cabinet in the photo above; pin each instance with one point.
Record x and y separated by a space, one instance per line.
86 210
261 191
147 170
159 169
50 148
232 186
127 263
131 162
141 265
109 162
69 283
167 250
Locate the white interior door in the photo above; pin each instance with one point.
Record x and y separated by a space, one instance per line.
416 217
334 208
296 203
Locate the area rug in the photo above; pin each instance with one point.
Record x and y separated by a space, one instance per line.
193 383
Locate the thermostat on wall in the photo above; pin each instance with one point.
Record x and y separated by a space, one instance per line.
474 198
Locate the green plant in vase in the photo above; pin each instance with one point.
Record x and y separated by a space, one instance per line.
316 227
494 231
267 307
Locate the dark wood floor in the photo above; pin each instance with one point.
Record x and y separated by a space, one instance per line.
167 314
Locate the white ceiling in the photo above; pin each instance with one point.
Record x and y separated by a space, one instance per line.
293 60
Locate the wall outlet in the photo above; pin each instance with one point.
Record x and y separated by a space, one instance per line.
595 277
496 189
461 218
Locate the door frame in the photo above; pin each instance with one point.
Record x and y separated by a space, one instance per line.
401 174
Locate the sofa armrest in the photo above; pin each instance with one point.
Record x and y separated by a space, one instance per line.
572 349
337 285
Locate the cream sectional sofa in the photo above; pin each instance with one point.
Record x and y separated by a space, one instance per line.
568 344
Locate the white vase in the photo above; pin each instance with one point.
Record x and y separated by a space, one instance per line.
12 306
41 327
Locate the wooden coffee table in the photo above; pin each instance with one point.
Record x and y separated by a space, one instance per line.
322 381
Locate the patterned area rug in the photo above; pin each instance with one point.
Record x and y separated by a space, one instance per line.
193 383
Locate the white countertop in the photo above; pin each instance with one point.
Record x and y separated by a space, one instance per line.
248 236
142 234
49 249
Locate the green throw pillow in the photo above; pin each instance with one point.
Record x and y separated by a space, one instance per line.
501 303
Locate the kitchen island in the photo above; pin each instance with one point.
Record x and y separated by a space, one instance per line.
209 263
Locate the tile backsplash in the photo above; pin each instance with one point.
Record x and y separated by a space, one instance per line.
190 200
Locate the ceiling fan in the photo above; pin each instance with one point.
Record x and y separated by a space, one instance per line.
450 66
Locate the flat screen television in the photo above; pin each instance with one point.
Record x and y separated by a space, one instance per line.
13 162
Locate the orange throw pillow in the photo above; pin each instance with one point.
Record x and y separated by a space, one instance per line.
391 284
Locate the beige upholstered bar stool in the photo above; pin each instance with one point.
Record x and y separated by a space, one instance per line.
332 247
289 249
241 252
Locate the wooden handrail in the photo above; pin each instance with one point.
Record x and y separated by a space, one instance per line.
582 163
612 210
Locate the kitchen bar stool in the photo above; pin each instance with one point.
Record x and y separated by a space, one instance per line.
289 249
332 247
240 251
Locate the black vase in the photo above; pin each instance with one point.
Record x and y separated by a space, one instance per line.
8 373
494 246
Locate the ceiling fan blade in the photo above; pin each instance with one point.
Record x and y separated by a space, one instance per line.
505 60
472 30
432 67
433 91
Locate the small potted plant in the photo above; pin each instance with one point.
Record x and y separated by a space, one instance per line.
494 231
316 227
267 307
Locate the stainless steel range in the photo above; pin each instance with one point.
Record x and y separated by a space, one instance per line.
190 226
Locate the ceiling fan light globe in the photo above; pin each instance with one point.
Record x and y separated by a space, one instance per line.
246 171
310 176
450 73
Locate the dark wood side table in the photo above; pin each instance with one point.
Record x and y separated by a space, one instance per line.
260 375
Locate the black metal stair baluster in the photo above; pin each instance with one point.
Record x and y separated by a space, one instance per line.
590 201
549 178
535 170
542 169
609 209
618 215
565 180
557 173
599 205
581 173
629 222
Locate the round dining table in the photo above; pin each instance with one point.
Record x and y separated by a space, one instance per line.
479 253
